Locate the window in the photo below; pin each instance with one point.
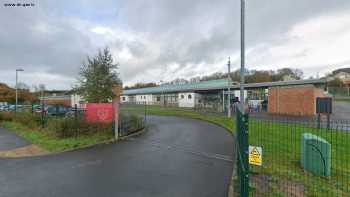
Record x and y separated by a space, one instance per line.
123 98
189 96
182 96
158 98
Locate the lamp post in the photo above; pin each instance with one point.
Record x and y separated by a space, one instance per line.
17 70
242 54
229 88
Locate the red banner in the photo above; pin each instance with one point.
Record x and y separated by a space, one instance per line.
99 112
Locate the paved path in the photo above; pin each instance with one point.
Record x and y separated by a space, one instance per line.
9 140
176 157
341 111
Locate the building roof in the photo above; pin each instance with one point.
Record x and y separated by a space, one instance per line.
203 85
217 85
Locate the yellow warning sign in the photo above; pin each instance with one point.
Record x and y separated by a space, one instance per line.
255 155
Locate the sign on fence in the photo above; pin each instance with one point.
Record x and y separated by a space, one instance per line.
99 112
255 155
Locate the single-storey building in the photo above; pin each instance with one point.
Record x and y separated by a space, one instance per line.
208 94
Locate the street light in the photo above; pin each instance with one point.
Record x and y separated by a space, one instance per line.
229 88
242 54
17 70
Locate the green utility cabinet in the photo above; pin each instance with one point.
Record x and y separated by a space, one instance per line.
315 155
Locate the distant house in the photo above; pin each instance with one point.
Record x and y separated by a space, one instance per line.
67 98
343 76
288 78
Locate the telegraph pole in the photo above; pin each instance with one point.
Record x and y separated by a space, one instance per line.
229 88
242 54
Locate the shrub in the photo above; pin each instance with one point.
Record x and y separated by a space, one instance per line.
71 127
28 119
6 116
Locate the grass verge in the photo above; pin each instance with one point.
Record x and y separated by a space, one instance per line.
53 144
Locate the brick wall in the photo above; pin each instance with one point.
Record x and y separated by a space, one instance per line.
300 101
65 102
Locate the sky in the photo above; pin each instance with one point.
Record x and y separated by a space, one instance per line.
154 40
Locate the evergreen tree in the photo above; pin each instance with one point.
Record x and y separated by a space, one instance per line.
97 78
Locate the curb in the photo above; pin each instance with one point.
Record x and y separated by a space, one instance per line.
25 151
141 131
10 154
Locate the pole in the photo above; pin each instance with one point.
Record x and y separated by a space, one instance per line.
223 100
16 91
229 88
242 54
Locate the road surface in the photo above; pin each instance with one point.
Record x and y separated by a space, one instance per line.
176 157
9 140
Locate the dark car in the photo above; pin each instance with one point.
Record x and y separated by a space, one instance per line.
57 110
79 112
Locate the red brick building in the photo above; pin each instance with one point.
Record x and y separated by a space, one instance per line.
296 100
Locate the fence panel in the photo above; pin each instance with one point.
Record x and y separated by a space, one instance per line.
133 118
282 172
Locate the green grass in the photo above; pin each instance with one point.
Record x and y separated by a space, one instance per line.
281 151
53 144
281 157
342 100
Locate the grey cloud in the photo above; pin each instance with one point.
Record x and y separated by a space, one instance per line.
186 32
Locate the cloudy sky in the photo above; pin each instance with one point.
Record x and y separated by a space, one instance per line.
155 40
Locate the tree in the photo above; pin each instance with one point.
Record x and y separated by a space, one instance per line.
335 83
8 94
257 76
141 85
295 74
97 78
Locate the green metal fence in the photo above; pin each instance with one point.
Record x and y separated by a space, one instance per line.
339 91
242 153
300 156
132 118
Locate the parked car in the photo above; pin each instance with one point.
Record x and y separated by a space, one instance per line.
39 110
57 110
72 112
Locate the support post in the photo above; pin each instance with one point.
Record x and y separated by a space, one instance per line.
16 92
223 100
117 90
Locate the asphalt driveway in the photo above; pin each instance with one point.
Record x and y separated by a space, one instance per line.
341 111
9 140
176 157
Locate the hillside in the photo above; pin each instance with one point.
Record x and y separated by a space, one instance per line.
8 94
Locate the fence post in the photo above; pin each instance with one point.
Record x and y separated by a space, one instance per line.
42 115
117 90
76 119
144 124
328 121
242 151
